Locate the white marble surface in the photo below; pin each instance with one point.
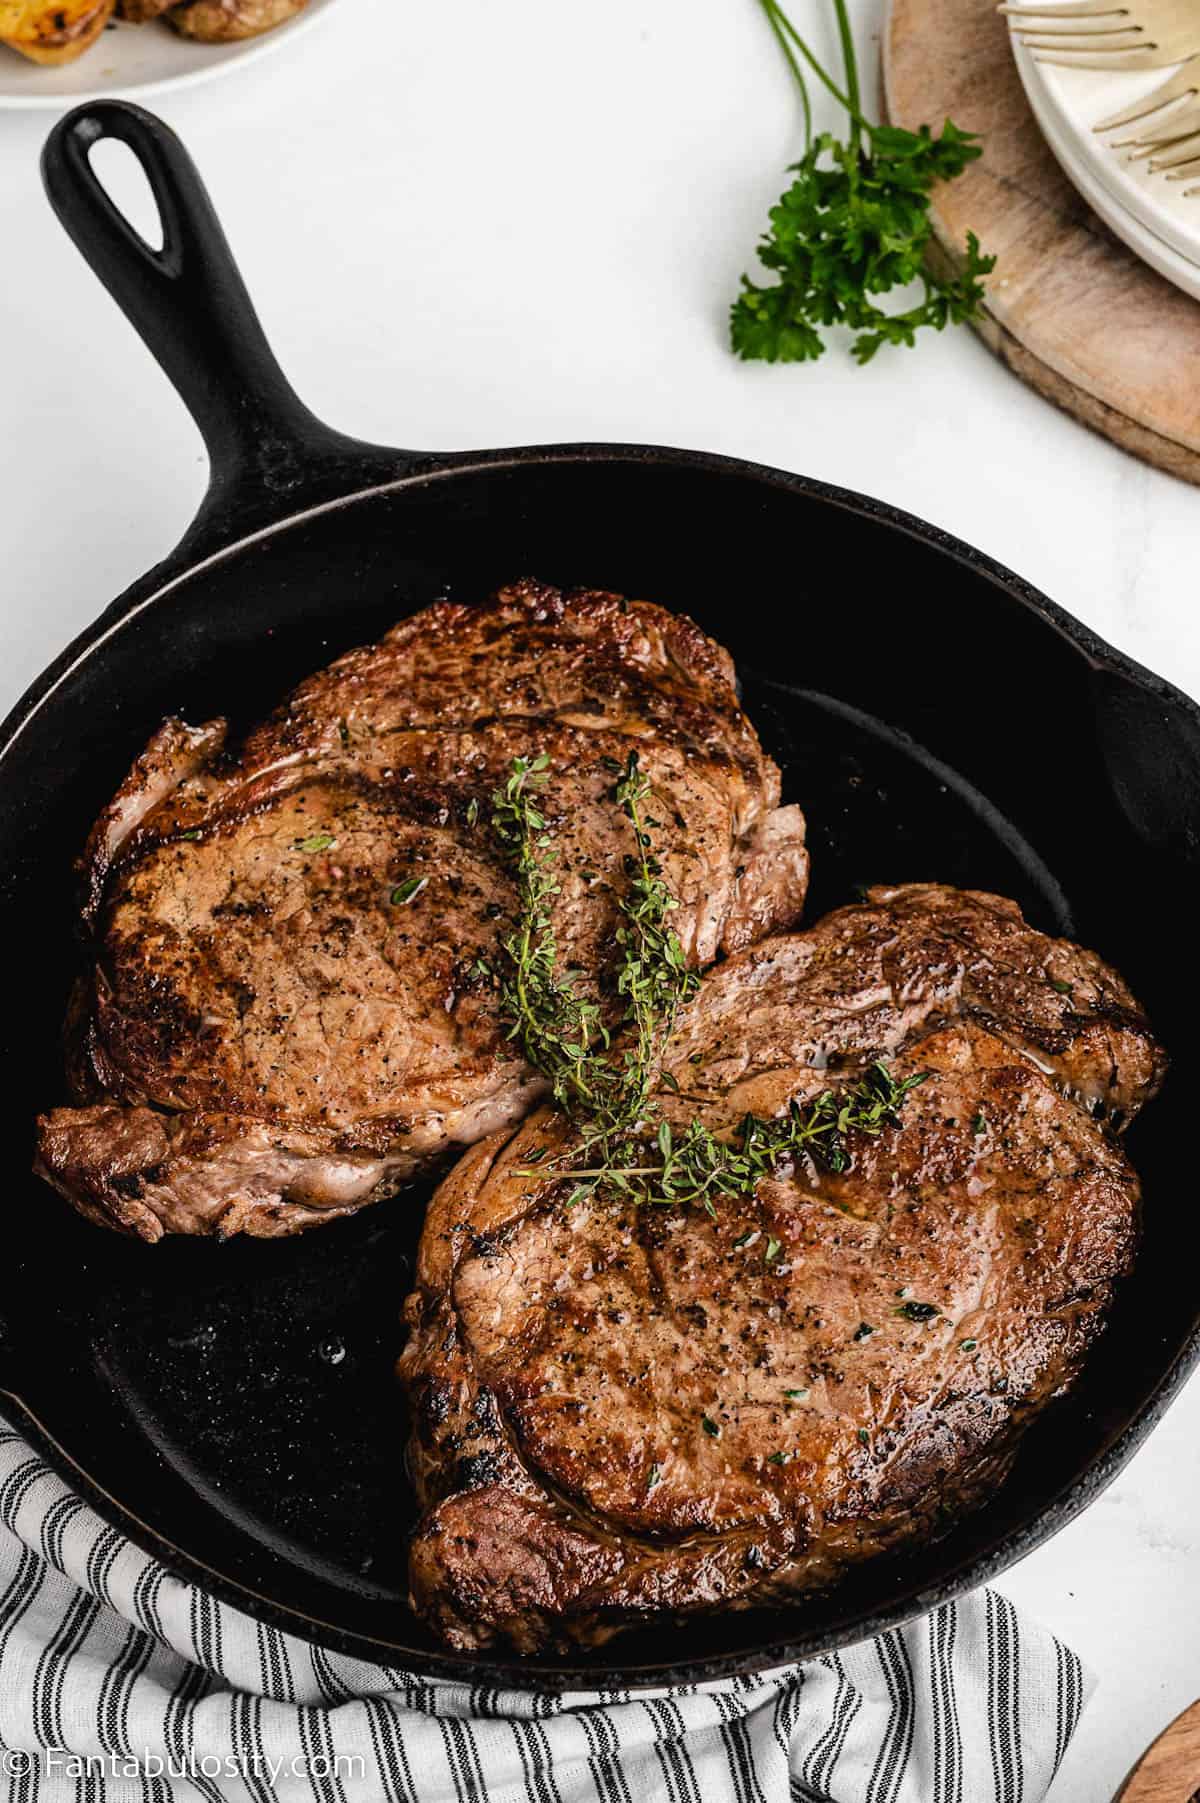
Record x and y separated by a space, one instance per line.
478 224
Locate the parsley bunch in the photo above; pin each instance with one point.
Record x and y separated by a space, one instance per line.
854 224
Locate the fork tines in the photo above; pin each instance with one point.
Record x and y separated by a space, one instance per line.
1096 34
1183 85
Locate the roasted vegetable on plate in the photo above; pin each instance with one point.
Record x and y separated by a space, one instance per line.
59 32
56 33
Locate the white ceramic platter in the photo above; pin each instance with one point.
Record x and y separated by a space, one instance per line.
1069 103
1148 214
134 61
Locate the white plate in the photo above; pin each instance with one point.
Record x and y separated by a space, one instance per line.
1152 249
1070 102
132 61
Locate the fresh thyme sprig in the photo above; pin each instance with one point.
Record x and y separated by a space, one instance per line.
555 1025
652 975
696 1168
625 1147
854 224
562 1031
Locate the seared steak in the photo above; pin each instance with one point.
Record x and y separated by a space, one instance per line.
619 1412
282 1020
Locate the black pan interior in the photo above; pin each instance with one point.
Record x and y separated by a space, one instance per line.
237 1401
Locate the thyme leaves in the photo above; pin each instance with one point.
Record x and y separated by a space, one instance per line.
602 1077
604 1090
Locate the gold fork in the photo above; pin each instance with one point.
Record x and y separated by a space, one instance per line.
1096 34
1165 125
1177 99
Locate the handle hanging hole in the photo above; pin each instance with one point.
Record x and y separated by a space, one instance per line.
123 179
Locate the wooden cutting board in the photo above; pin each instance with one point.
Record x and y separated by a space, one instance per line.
1070 309
1170 1771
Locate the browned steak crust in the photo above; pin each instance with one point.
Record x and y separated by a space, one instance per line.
619 1412
276 1029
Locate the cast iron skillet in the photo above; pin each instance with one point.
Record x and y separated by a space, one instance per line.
232 1408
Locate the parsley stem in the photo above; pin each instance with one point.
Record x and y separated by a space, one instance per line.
851 65
773 19
773 7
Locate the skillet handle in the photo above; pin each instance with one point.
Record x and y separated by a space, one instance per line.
269 455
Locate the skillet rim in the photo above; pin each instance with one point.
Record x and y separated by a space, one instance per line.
191 558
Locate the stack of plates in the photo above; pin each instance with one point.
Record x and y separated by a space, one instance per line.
1152 215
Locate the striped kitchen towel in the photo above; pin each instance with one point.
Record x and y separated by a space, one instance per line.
121 1684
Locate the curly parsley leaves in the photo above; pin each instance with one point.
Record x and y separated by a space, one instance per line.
853 225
